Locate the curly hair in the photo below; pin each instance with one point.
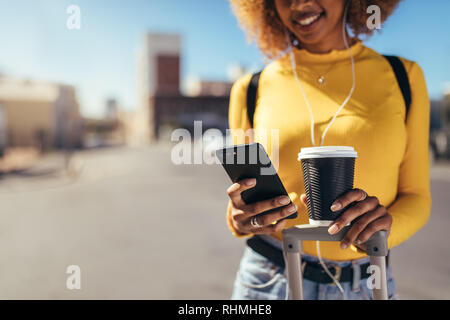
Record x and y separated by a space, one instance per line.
260 20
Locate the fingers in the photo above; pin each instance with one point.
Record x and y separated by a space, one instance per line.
235 190
269 218
248 211
242 213
303 199
351 196
360 225
361 248
382 223
360 208
238 216
277 227
268 223
262 206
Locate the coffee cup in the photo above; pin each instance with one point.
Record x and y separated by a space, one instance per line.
328 173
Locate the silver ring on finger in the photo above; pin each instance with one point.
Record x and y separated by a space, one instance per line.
255 223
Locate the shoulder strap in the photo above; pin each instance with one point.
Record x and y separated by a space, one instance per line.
397 66
402 79
251 96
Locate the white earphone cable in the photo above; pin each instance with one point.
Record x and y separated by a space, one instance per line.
336 282
294 69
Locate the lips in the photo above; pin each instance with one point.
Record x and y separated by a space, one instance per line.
306 21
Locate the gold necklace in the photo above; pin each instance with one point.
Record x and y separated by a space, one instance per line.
321 77
321 80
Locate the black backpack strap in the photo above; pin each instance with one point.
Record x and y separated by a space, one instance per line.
402 79
251 96
397 66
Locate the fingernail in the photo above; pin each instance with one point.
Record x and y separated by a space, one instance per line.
357 241
284 200
344 246
333 229
335 206
250 182
292 208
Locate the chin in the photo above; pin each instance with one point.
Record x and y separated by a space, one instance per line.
311 39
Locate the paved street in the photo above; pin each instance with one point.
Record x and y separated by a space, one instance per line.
141 227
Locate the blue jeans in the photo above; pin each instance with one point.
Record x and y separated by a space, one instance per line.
259 279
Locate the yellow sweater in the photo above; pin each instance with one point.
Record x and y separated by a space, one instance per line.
392 161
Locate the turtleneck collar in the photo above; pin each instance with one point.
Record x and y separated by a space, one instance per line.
303 56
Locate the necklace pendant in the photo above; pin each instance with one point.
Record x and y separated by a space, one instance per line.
321 80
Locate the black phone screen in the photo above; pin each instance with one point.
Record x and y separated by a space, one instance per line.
251 161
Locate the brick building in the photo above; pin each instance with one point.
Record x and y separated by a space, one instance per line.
162 103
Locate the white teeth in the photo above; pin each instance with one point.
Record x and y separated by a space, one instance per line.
309 20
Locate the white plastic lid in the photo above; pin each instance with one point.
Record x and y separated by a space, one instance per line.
327 152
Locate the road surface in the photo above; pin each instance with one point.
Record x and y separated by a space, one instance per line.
140 227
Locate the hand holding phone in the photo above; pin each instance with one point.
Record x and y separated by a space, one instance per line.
260 203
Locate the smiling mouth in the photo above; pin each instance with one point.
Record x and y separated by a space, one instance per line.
309 20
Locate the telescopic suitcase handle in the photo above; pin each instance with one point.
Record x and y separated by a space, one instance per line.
376 248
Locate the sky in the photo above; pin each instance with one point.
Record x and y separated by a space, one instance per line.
100 59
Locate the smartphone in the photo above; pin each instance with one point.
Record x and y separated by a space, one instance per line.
251 161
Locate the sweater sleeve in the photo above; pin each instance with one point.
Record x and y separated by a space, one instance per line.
411 209
238 123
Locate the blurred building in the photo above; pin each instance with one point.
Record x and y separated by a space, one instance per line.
158 65
109 130
194 87
445 109
112 109
3 140
39 114
163 106
440 127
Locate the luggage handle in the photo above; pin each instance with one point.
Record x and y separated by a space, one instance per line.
376 248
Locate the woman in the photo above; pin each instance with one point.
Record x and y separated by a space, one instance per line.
322 80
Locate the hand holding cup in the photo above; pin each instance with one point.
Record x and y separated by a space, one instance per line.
366 215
